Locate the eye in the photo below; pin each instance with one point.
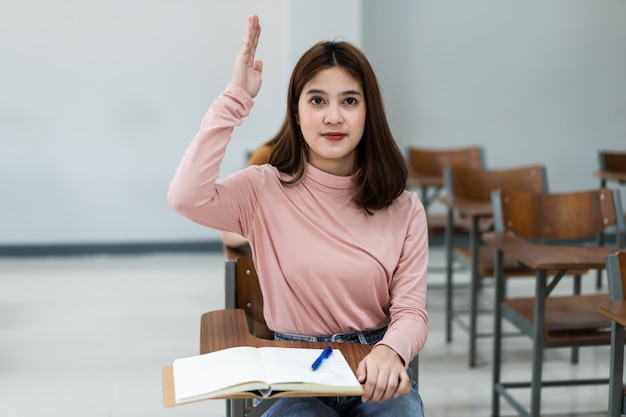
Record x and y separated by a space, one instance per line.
351 100
317 101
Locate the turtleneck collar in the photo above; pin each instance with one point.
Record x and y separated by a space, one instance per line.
327 180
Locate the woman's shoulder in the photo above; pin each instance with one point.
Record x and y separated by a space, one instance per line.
263 173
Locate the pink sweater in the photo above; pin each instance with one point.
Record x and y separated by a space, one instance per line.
324 265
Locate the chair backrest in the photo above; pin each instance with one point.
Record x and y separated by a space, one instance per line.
559 216
242 288
612 161
616 272
477 184
429 162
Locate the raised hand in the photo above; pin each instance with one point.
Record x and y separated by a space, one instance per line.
247 71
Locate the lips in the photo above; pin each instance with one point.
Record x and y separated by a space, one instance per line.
334 136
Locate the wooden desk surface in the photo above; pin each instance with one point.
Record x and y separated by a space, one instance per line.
614 310
471 208
611 175
549 257
228 328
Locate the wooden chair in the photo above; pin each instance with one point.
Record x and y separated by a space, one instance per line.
426 174
548 232
469 197
616 273
243 291
611 167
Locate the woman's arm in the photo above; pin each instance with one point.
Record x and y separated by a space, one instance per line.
193 191
383 371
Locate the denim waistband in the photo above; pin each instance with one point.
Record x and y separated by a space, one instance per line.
367 337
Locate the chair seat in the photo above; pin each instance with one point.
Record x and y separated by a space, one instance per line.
569 319
512 267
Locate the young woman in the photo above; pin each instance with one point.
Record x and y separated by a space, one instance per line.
341 249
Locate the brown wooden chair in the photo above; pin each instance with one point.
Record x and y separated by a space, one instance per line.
611 167
550 232
469 198
243 291
426 174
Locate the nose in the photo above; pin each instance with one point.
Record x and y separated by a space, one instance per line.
333 115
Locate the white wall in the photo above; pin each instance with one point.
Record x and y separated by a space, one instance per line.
98 100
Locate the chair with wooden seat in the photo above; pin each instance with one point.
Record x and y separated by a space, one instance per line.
469 198
611 167
552 233
426 175
243 291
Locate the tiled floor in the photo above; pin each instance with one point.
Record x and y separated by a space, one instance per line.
87 336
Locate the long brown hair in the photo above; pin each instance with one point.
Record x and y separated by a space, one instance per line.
381 171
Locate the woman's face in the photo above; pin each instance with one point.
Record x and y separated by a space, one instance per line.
331 115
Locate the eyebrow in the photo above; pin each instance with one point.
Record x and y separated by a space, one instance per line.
343 93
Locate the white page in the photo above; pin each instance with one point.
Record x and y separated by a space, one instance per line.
294 365
198 375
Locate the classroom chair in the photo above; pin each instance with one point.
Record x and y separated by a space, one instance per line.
469 197
426 175
611 167
550 232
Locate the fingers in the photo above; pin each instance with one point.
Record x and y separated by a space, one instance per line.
380 387
255 33
251 39
361 372
403 386
380 383
246 70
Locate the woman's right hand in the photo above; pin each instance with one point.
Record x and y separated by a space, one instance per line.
247 71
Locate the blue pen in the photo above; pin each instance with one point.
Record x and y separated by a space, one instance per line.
326 353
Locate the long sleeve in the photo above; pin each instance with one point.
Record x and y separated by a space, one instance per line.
192 191
408 290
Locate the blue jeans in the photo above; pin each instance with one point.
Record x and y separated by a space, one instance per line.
408 405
